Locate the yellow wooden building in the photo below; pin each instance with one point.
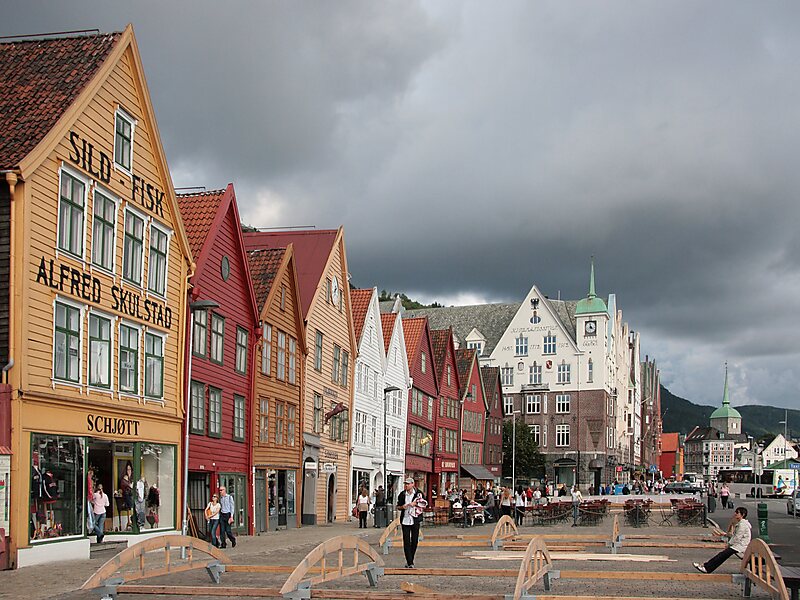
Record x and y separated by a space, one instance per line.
97 267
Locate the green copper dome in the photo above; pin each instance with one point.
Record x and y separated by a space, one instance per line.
591 304
726 411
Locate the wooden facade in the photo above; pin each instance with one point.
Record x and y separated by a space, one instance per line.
473 415
448 411
277 415
97 315
220 390
493 442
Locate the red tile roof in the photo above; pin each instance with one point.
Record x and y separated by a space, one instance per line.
359 300
669 442
387 321
264 266
41 80
413 329
198 212
311 249
464 358
440 338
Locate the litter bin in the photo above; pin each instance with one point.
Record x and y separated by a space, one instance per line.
380 517
762 522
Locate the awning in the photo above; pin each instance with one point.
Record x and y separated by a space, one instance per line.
478 472
597 463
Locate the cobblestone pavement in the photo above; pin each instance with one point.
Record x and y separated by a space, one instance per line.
62 580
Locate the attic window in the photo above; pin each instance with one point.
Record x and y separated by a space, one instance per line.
123 140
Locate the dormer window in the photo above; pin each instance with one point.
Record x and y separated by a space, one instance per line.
123 140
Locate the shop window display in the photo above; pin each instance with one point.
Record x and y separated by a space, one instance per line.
157 476
58 504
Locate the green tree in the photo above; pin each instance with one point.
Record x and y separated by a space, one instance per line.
529 461
407 302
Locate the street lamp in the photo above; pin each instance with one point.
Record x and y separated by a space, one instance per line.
193 306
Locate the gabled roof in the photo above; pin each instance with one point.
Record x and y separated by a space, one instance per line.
387 306
490 377
264 267
359 300
413 330
387 322
198 212
439 340
465 357
41 80
670 442
312 249
491 319
705 433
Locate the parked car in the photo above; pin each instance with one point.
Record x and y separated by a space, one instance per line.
793 503
683 487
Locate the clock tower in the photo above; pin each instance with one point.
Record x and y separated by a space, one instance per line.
591 322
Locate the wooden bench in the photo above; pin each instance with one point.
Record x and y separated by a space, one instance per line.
791 579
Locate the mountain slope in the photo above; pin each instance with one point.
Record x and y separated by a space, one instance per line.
681 415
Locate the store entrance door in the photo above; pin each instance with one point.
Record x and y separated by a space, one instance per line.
282 499
236 486
261 501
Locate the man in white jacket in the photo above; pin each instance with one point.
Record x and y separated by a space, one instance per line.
739 534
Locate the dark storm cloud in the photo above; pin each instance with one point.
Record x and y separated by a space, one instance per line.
472 149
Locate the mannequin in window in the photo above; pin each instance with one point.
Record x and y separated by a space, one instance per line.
139 500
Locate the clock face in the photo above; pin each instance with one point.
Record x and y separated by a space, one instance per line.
335 290
591 327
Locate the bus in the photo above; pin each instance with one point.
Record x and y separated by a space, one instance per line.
743 482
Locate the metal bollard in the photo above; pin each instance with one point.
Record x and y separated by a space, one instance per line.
762 522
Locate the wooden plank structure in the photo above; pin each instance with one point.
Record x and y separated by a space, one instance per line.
299 583
113 573
760 568
504 530
536 566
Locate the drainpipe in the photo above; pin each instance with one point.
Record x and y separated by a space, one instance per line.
11 179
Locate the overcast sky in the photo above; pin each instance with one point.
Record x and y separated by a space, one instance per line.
471 149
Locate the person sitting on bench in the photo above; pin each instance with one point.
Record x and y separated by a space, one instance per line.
739 533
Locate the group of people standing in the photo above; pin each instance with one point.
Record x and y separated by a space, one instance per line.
723 493
219 518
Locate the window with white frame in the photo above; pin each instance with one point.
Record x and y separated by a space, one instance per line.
214 412
337 357
71 207
562 403
507 375
266 348
535 374
241 350
346 368
153 366
423 360
318 352
104 231
198 407
157 263
133 248
533 404
200 335
292 360
239 417
374 436
99 351
263 420
217 338
448 375
562 435
549 344
280 411
544 436
317 413
609 437
508 405
123 140
128 359
521 345
281 369
563 372
476 346
536 430
67 343
291 424
360 428
590 371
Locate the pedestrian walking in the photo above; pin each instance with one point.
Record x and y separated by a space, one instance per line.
363 504
411 503
739 534
99 505
520 500
505 502
227 509
724 495
577 497
212 513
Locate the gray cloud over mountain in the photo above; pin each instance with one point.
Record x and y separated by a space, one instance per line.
471 149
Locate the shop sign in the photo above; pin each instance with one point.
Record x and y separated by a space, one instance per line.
111 425
448 464
310 466
5 490
86 286
619 468
330 454
329 393
328 468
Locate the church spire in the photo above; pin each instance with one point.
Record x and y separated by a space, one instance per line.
592 293
591 304
726 401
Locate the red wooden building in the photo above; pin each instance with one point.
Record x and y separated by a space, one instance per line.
421 404
493 440
448 412
473 421
222 341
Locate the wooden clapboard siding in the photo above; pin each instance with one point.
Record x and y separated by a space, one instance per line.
95 123
5 261
475 404
289 320
235 305
336 326
447 391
